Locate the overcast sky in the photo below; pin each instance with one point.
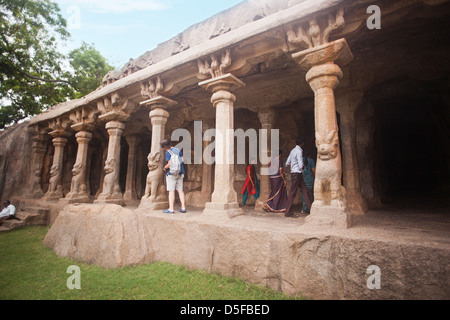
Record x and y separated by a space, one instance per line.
124 29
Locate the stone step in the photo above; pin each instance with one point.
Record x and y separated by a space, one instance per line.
13 224
3 229
29 216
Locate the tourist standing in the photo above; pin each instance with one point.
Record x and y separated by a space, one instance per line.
278 194
174 176
309 173
251 185
295 161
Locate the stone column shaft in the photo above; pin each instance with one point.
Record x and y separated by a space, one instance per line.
155 197
37 158
55 190
79 190
130 189
206 190
267 119
347 104
111 192
224 198
329 207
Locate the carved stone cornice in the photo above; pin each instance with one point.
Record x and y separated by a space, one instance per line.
312 39
59 127
116 108
152 88
317 31
84 118
213 66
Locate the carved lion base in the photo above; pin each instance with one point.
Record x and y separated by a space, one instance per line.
330 217
150 205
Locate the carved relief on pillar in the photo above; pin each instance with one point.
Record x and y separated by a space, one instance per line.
84 120
155 197
321 58
39 147
59 132
111 192
115 110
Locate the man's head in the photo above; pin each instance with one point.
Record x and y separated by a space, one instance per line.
300 141
166 145
6 203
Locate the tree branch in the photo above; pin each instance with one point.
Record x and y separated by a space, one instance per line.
45 80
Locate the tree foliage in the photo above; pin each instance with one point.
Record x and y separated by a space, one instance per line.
89 69
34 74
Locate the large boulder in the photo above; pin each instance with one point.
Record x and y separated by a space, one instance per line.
106 235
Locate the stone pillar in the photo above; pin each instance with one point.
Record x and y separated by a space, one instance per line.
329 207
206 191
130 189
55 189
224 198
38 149
155 197
267 118
111 192
347 104
79 192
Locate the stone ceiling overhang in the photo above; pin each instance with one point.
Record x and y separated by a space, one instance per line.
264 40
181 69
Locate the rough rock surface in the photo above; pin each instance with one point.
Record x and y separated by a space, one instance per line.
284 255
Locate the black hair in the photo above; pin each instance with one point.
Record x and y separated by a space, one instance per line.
299 141
165 144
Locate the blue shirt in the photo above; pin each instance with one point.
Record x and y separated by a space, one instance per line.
180 154
295 160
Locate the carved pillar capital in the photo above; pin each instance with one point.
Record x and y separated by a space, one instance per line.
59 127
83 137
116 108
267 117
84 119
225 83
215 65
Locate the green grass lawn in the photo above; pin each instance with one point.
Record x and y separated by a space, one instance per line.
30 271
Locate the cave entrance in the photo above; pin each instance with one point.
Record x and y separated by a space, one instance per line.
411 142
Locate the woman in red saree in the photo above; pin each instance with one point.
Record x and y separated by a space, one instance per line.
251 185
278 195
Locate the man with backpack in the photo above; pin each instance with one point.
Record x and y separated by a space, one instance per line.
174 175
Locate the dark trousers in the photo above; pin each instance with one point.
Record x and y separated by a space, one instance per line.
297 181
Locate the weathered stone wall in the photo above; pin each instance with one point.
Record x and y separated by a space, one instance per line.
283 256
14 161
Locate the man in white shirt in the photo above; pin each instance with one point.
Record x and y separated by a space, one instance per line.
8 212
295 161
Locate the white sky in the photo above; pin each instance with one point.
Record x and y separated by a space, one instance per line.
124 29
